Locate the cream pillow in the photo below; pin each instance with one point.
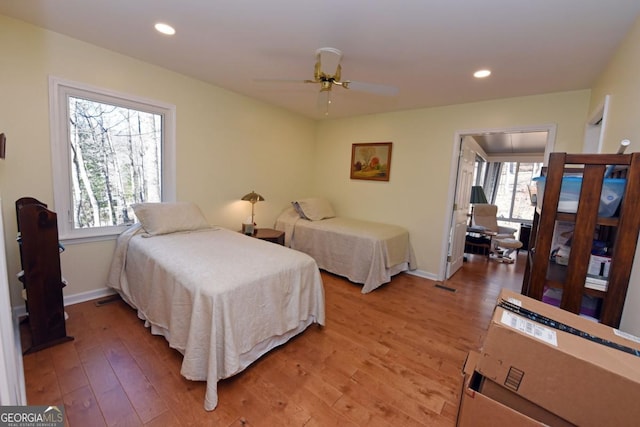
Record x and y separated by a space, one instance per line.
164 218
316 208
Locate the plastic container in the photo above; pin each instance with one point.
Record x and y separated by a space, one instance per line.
610 197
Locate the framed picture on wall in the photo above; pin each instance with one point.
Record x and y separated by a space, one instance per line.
371 161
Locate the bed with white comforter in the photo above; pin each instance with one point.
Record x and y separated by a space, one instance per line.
365 252
220 298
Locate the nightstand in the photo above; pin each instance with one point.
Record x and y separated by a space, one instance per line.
270 235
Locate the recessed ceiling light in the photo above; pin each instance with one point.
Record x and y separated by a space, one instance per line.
480 74
165 28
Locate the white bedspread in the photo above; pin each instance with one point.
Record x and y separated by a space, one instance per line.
365 252
221 298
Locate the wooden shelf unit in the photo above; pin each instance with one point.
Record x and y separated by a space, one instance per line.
42 279
622 231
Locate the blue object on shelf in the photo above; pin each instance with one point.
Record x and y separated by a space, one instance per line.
610 197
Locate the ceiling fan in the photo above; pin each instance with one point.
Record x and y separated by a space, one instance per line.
328 73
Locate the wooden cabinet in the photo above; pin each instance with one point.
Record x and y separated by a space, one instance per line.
42 279
620 232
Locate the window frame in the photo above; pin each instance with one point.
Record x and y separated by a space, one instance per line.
59 91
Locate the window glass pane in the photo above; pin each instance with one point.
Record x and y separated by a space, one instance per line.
512 195
479 171
115 160
522 207
504 192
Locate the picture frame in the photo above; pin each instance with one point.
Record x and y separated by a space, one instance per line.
3 145
371 161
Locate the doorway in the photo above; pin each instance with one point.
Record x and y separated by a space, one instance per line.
494 145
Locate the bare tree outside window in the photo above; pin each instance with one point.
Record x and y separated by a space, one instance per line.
109 150
512 196
115 161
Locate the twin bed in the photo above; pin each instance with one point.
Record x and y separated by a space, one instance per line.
224 299
365 252
220 298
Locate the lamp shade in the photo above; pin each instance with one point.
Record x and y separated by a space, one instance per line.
253 197
477 195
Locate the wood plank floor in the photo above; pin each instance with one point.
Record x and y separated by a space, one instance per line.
389 358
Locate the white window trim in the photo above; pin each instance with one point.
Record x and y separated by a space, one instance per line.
58 91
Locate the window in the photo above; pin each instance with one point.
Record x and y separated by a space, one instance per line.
479 171
512 192
109 151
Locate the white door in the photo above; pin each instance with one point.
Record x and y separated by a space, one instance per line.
466 164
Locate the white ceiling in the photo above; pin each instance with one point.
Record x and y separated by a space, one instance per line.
512 143
426 48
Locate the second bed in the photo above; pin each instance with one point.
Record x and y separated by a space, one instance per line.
365 252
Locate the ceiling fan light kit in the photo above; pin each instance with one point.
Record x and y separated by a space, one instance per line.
328 72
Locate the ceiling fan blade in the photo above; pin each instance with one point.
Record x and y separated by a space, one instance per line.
327 73
374 88
282 81
329 59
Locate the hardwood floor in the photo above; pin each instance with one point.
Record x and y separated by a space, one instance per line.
388 358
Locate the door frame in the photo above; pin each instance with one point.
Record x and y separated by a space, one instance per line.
12 390
596 127
550 128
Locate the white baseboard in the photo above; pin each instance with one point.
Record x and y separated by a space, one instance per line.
87 296
21 388
423 274
71 299
105 292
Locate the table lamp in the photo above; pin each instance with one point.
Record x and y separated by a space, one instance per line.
477 196
252 198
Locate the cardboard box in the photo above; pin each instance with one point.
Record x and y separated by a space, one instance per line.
599 265
478 410
581 381
518 403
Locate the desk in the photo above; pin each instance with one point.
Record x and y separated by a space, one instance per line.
478 241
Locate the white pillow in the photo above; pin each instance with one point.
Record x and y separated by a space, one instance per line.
164 218
316 208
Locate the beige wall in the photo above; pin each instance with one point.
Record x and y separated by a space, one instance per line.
417 193
621 81
227 144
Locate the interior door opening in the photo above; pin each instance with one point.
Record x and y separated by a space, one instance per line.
512 148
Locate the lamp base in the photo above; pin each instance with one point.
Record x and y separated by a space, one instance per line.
248 229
